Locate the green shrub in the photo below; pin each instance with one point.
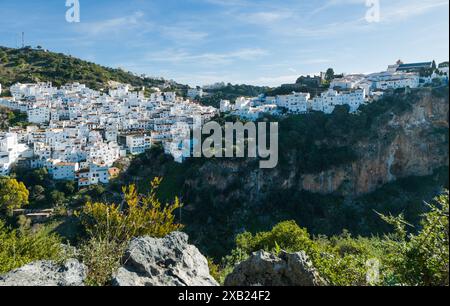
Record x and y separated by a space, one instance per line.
214 270
421 259
103 257
286 235
20 247
143 216
110 227
340 260
400 258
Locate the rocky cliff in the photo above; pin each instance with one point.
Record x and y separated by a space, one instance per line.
398 144
409 144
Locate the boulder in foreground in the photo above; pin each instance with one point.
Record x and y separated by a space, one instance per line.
168 261
265 269
47 274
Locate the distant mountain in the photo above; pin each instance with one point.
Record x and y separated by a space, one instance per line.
38 65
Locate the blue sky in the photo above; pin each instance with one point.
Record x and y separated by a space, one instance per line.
260 42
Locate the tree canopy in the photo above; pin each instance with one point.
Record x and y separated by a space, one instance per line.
13 194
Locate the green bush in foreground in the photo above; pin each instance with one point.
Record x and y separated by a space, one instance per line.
103 257
20 247
141 216
341 260
421 259
397 259
110 227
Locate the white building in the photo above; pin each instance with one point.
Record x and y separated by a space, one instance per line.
328 100
103 153
138 144
38 90
96 174
10 151
121 91
225 106
442 68
65 171
296 103
39 115
347 82
394 80
194 93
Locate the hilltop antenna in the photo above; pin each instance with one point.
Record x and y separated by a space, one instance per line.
23 40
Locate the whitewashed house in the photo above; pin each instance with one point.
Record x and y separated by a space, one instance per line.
350 81
38 115
225 106
394 80
65 171
96 174
195 93
138 144
10 151
296 103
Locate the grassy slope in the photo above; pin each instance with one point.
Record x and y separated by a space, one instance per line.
30 65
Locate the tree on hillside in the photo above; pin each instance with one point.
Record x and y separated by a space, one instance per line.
58 198
37 193
329 75
3 57
13 195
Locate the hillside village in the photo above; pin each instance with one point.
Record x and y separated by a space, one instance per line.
78 133
352 90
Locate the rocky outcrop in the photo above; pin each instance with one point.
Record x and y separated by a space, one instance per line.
265 269
399 144
170 261
407 145
47 273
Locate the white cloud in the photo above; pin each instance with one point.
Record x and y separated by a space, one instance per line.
274 80
264 18
231 3
408 9
113 25
182 34
330 4
177 56
212 77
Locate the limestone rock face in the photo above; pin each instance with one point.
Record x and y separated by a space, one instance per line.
169 261
46 274
265 269
411 143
